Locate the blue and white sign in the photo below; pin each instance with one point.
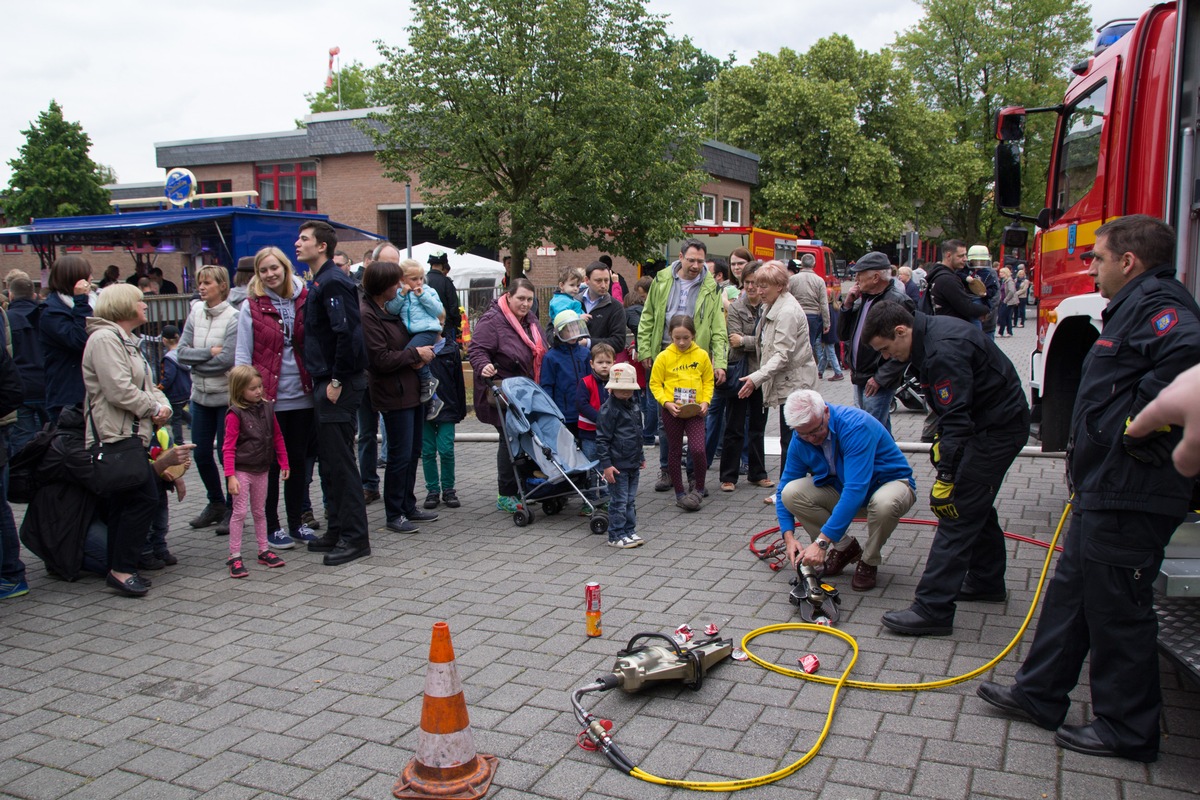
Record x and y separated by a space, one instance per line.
180 186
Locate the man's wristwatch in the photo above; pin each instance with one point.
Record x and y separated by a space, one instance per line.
335 383
823 543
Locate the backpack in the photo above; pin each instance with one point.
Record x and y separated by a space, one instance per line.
22 467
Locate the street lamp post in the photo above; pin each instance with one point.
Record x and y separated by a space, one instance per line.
912 251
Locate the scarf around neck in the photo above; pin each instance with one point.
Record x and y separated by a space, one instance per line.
535 343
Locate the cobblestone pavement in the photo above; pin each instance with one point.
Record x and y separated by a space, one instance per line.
306 682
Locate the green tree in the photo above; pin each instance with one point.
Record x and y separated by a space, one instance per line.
973 57
54 176
846 144
356 84
528 121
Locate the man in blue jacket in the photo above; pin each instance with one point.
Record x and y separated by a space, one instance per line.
841 460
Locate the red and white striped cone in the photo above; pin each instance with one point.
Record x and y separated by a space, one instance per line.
446 764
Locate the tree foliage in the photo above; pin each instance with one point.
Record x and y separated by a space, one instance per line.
973 57
566 121
846 144
54 176
358 87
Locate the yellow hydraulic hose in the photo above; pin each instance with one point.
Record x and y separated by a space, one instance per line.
843 681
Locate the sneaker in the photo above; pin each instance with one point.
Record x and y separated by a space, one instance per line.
689 501
307 518
279 540
423 516
401 525
236 568
435 407
269 559
149 561
428 390
13 589
506 503
431 500
450 498
637 540
223 525
624 543
211 515
304 534
664 482
166 557
836 378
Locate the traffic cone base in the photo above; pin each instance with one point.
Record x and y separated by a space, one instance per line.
446 764
469 781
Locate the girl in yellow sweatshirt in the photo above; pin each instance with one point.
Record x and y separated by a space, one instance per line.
682 380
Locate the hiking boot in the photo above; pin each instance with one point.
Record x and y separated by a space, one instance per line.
664 482
236 568
211 515
450 498
837 560
432 500
370 496
269 559
690 501
307 518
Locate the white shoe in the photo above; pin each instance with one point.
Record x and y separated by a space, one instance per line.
637 540
769 500
624 543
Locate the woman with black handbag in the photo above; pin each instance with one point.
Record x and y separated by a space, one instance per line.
122 407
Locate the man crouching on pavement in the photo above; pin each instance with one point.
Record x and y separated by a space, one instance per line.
842 460
982 424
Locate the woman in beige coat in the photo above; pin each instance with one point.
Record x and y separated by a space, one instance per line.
122 401
786 361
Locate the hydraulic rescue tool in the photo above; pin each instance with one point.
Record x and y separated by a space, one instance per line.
638 665
818 602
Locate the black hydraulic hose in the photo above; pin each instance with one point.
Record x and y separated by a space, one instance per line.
630 649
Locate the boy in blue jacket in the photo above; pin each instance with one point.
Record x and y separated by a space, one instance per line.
564 365
423 316
619 451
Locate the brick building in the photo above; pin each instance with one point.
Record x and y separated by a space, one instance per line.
329 166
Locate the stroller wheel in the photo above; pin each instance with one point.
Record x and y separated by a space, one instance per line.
599 523
553 506
894 406
523 517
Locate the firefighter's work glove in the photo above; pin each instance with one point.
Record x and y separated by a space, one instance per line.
1154 448
935 452
941 499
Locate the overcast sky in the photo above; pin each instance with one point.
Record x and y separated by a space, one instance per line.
135 72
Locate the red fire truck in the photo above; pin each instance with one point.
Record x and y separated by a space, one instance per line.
1124 143
763 244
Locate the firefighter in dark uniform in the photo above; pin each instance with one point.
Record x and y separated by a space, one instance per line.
982 424
1128 500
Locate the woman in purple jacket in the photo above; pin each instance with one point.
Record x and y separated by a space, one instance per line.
506 342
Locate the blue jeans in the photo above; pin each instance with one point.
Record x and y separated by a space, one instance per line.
714 426
879 405
368 445
11 568
815 329
424 339
208 427
622 504
405 436
31 417
827 356
649 416
156 542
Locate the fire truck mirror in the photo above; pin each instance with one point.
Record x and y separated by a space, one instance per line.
1008 175
1010 124
1015 237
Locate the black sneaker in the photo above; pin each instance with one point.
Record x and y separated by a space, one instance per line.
401 525
431 500
423 516
223 525
150 561
166 557
450 498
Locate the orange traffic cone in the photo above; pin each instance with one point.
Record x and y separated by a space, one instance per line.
446 765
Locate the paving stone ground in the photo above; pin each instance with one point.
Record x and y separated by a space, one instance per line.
306 682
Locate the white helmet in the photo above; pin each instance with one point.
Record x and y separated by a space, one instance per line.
978 256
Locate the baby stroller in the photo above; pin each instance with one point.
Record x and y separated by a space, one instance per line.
548 466
909 392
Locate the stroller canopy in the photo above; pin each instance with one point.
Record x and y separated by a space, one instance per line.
534 425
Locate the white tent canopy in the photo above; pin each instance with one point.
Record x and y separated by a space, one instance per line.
464 268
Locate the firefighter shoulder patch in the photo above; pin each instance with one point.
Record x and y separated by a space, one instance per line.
1164 320
943 392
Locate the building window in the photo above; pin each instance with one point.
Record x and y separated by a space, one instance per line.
287 187
706 210
212 187
13 249
731 211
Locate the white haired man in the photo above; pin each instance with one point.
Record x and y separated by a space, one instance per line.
841 460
